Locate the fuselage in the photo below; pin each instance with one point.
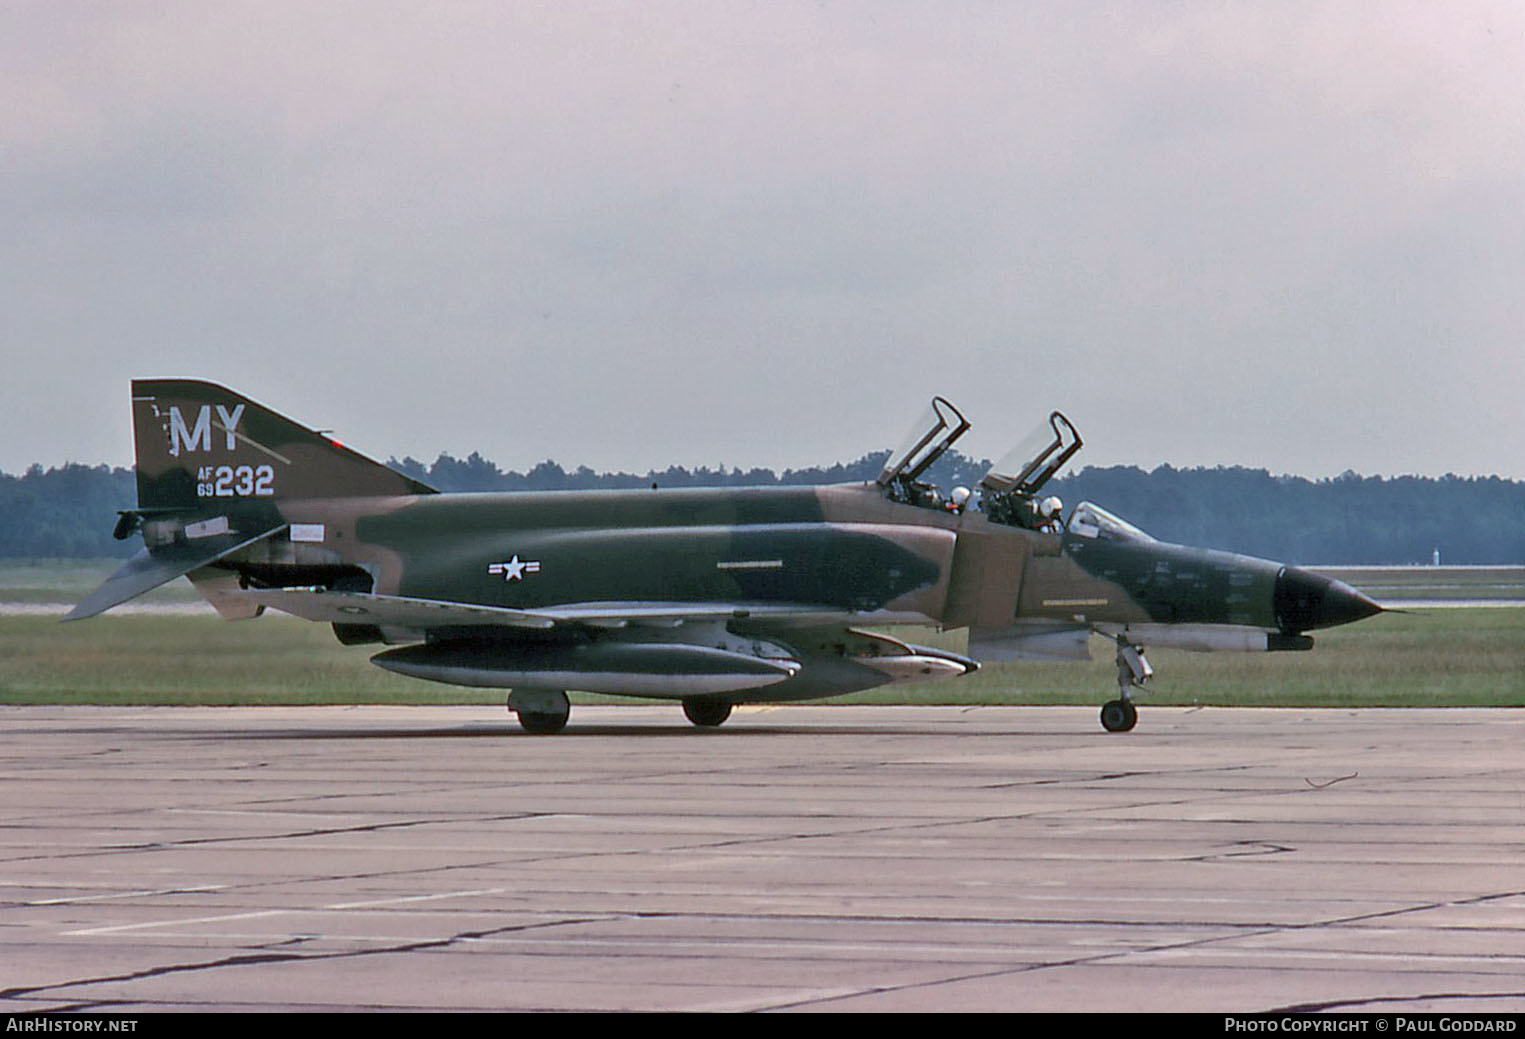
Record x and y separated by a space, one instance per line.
845 549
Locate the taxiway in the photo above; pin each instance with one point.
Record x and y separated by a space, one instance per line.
800 858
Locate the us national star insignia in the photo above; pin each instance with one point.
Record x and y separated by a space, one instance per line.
514 569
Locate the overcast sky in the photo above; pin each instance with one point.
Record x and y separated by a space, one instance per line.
629 235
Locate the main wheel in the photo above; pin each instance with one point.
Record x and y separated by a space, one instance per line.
542 724
1118 715
705 712
541 711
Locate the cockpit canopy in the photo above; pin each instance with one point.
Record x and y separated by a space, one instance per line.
932 434
1032 463
1008 490
1092 521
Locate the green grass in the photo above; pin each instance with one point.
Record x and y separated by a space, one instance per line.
1440 657
200 659
70 580
1428 658
1449 657
1393 584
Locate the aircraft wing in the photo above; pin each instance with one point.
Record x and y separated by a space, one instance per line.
672 614
338 607
820 651
341 607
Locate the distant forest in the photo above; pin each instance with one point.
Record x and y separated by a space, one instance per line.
69 512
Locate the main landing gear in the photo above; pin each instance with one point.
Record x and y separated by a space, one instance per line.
543 712
1133 671
705 712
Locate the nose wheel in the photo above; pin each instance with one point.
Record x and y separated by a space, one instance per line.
1133 672
1119 715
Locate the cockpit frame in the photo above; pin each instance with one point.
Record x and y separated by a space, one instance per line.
1039 459
938 428
1090 520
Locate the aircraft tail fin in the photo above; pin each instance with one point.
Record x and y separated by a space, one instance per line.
199 444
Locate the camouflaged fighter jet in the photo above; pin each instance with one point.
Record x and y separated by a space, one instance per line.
710 597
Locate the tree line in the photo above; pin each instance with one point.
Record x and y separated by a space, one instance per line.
69 511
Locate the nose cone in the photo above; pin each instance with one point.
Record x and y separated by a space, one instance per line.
1305 601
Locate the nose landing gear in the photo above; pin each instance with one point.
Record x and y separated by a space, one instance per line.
1133 672
1118 715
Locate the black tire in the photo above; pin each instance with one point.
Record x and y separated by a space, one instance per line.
1118 716
542 724
706 713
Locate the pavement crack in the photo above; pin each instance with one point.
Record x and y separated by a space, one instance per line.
1237 932
321 831
1374 1003
1242 850
1417 908
152 972
262 958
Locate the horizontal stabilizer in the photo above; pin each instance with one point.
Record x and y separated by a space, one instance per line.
152 567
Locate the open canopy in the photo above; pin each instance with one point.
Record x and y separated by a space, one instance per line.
932 434
1034 461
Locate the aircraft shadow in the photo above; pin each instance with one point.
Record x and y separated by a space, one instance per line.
511 731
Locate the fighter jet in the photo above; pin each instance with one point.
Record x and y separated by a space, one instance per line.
712 597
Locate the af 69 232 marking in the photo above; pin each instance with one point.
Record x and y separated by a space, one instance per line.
242 481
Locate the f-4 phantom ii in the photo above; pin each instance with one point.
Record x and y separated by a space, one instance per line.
712 597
